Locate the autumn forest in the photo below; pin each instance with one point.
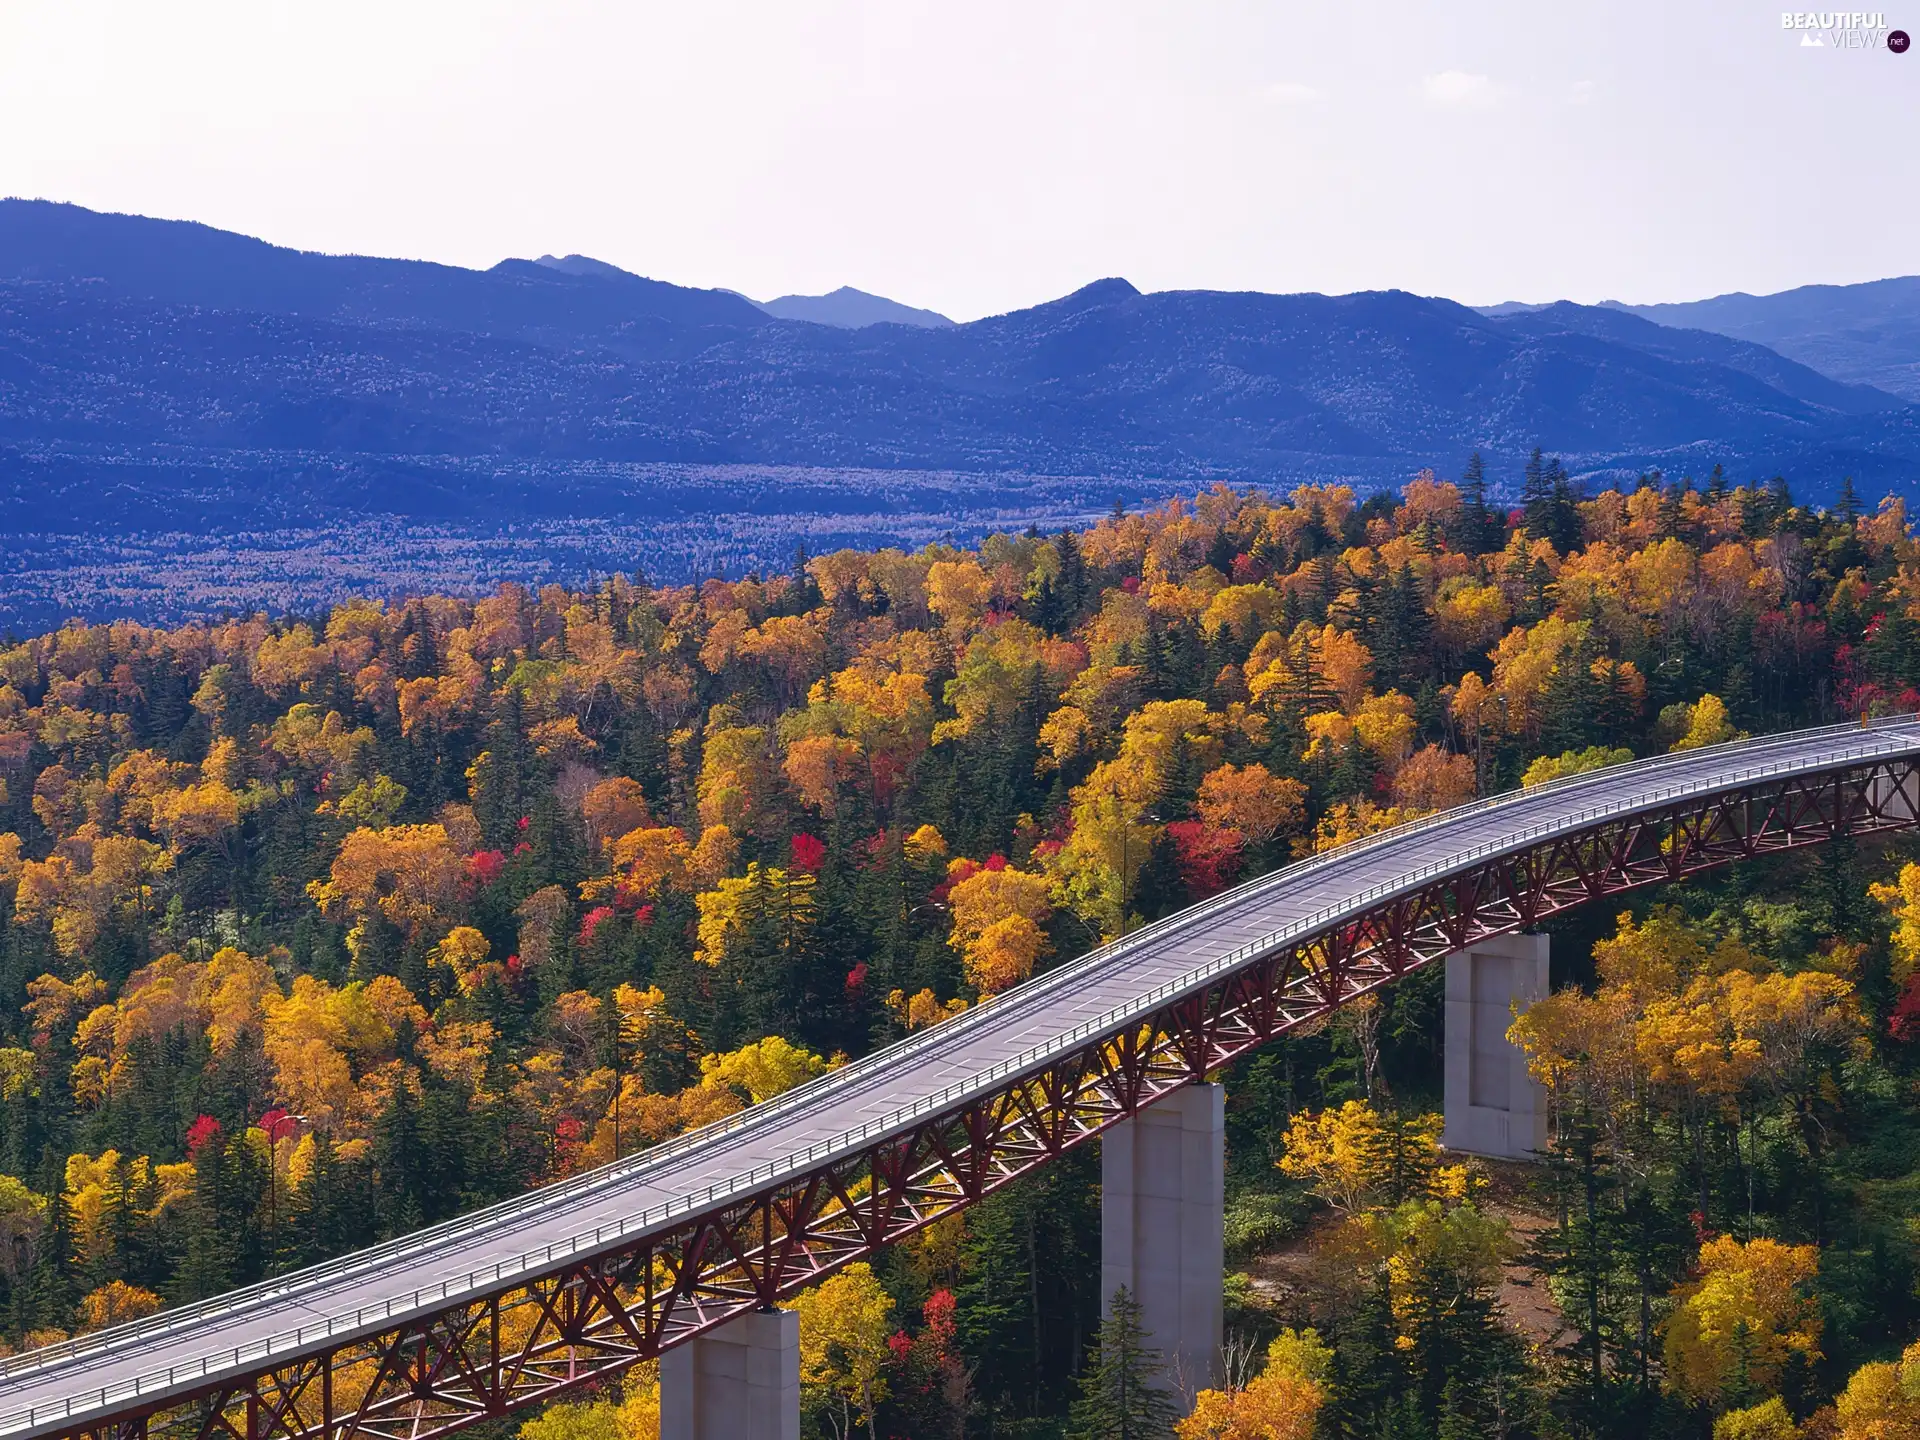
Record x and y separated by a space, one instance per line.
316 929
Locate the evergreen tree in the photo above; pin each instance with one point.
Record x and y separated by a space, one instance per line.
1673 508
1658 1245
1846 508
1028 1289
1580 1251
206 1258
1399 635
333 1212
804 591
1563 509
1367 1380
1536 495
1119 1399
1481 526
1574 706
399 1164
1070 577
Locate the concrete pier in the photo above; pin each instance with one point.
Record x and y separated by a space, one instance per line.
738 1382
1493 1106
1162 1204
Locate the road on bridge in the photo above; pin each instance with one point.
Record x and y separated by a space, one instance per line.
1862 778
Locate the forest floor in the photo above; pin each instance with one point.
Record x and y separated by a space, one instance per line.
1289 1279
1514 1195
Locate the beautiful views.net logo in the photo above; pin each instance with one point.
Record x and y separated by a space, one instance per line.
1844 30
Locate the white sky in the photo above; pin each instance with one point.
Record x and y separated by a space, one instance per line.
975 156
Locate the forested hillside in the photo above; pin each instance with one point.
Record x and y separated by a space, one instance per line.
316 929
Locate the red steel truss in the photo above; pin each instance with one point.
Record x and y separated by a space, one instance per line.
595 1318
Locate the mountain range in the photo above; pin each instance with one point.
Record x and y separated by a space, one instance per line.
161 373
1868 334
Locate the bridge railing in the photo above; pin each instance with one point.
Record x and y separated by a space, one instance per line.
533 1262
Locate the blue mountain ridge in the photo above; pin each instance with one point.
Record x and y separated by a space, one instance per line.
165 374
850 309
1867 333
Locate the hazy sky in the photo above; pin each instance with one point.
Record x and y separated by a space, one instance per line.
975 156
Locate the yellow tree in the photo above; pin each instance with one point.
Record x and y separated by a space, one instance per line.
736 772
644 862
1882 1400
408 874
1707 724
767 898
763 1069
1572 762
882 703
633 1415
613 808
461 954
114 1303
1350 1154
222 998
1468 616
844 1324
1902 899
1002 667
1581 1048
321 744
792 649
1385 725
1252 800
322 1040
998 912
1114 828
958 591
1281 1403
1739 1322
1345 823
1769 1420
817 766
1525 662
85 884
1433 779
1111 839
1654 959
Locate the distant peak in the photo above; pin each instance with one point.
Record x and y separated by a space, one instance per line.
1110 291
851 309
585 265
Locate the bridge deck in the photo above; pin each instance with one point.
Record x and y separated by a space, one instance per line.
931 1070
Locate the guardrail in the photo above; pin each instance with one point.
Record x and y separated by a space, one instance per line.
1020 999
485 1279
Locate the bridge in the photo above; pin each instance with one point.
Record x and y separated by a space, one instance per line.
681 1251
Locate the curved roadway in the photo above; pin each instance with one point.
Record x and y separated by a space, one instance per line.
45 1390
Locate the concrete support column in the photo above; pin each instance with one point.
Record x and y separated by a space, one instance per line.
1162 1204
738 1382
1493 1106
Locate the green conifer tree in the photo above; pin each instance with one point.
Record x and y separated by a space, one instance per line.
1480 527
1119 1399
1536 495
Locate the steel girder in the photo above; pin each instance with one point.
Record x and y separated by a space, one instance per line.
594 1318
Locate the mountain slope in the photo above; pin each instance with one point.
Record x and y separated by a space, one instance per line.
1749 358
1865 334
179 263
851 309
